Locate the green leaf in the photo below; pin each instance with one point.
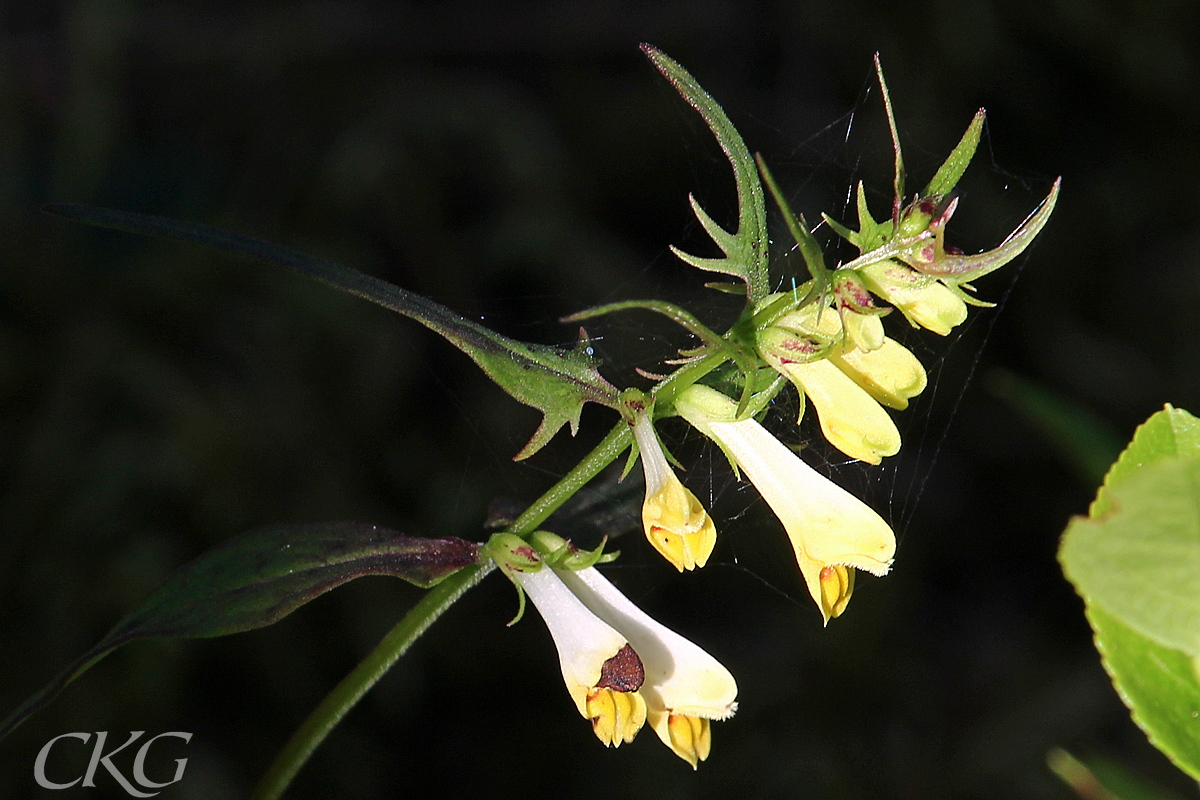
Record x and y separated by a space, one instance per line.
1136 563
260 577
1159 685
746 249
899 176
1140 559
1170 433
952 169
555 380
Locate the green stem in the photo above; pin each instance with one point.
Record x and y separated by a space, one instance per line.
685 376
350 690
679 316
611 446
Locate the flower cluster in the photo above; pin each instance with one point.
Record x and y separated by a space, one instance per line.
827 339
847 368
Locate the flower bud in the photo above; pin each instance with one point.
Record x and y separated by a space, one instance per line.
860 316
794 346
512 553
675 522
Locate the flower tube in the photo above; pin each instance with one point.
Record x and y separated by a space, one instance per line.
684 687
845 383
832 531
601 670
675 521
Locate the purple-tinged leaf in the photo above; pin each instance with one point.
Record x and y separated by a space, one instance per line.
260 577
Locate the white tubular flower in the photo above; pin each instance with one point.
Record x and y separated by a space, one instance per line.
684 686
623 668
602 671
675 521
832 531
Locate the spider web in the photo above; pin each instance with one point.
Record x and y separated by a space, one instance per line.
821 174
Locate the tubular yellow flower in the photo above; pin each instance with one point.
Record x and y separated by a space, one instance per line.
886 369
602 671
684 686
621 667
923 300
850 418
675 521
891 373
828 526
847 384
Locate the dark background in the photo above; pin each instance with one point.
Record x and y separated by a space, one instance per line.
518 163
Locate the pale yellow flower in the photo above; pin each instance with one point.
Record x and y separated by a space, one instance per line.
832 531
622 667
850 418
675 521
684 686
845 383
923 300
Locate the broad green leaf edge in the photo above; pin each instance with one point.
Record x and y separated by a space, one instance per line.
1160 684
